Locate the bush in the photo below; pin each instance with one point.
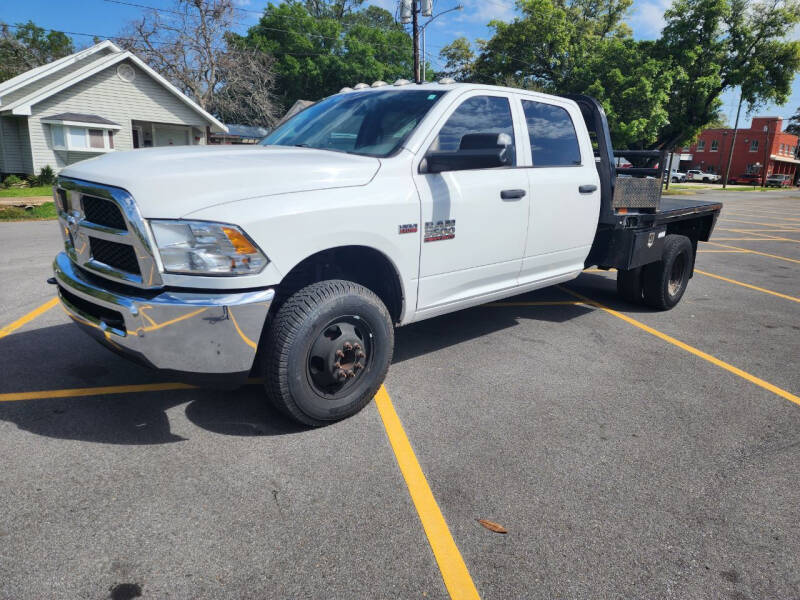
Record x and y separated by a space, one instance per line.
12 181
46 176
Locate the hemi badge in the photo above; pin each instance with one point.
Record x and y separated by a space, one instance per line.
408 228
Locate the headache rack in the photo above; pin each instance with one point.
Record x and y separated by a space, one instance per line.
639 187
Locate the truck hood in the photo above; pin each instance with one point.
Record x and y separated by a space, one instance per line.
172 182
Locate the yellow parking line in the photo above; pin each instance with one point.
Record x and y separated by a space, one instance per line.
691 349
543 303
747 285
454 571
28 318
770 238
725 251
718 228
95 391
764 237
794 260
726 220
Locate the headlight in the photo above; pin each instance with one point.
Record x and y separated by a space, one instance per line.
203 248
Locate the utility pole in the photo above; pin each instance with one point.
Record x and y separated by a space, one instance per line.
415 26
733 143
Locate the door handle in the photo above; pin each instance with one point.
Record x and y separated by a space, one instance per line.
512 194
587 189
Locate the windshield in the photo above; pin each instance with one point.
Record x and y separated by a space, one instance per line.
373 123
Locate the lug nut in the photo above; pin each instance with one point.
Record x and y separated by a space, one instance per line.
360 354
351 374
339 354
348 346
341 374
337 364
357 346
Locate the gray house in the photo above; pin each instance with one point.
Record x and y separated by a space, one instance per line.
101 99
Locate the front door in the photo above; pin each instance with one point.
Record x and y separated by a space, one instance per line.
564 188
473 221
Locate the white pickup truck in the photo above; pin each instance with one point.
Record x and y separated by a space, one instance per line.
698 175
373 208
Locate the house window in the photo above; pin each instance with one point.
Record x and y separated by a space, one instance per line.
714 145
754 146
701 145
84 139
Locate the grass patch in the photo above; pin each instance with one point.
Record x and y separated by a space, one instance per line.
39 190
46 211
673 192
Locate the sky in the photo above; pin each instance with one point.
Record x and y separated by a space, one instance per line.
105 18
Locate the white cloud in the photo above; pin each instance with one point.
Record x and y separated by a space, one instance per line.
483 11
647 17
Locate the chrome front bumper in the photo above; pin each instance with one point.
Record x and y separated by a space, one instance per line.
210 335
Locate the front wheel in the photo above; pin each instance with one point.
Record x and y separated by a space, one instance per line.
665 281
327 351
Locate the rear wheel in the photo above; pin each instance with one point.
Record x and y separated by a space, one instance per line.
629 285
327 351
664 282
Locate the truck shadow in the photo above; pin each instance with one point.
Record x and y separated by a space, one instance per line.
61 357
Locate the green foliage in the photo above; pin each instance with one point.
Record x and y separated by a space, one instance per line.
715 45
656 94
25 46
46 176
12 181
28 192
794 124
317 54
459 60
46 211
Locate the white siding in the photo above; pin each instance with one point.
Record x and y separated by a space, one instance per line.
44 81
106 95
15 153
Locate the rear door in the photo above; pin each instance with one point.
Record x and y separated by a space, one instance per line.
474 221
564 190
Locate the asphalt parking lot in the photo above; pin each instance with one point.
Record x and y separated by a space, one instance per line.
628 453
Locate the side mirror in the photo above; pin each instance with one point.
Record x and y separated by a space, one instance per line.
476 151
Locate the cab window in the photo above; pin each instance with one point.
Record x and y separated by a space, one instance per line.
554 142
478 123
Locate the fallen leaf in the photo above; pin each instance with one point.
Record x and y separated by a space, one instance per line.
491 526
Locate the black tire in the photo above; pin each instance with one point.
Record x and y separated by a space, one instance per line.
306 336
664 282
705 179
629 285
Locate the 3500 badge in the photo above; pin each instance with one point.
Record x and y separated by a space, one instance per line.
440 230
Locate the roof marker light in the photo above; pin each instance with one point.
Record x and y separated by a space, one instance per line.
345 89
360 86
379 83
401 82
446 81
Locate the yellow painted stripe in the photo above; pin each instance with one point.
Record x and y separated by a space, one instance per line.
718 228
691 349
28 318
245 339
747 250
770 238
726 221
456 577
95 391
724 251
748 285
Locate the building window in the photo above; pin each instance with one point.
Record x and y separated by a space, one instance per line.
783 148
701 145
754 146
714 145
82 139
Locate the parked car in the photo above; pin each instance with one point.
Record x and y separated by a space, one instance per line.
779 180
698 175
746 179
374 208
676 177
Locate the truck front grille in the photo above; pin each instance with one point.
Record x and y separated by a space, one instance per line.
105 234
117 256
102 212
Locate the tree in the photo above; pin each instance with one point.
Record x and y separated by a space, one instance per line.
189 44
794 124
316 56
459 60
715 45
25 46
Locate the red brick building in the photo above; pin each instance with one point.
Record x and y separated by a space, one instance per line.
764 143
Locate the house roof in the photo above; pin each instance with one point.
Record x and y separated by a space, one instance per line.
43 82
245 131
79 118
298 106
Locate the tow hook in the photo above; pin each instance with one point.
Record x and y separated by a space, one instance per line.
51 281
